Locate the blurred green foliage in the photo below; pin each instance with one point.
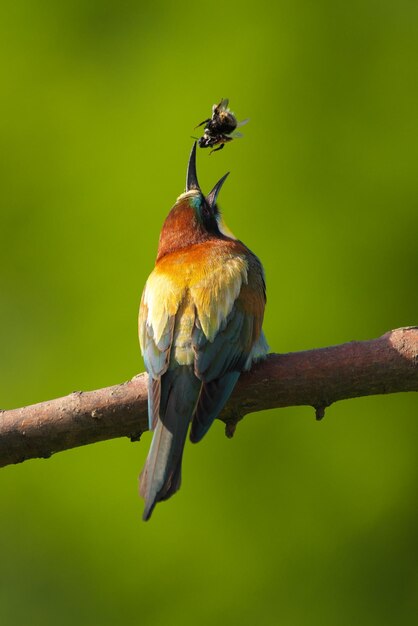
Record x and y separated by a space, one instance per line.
292 522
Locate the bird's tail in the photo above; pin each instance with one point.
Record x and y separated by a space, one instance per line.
161 476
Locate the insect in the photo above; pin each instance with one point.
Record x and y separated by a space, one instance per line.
220 128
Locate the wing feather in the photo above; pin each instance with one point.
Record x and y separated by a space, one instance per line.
219 359
156 329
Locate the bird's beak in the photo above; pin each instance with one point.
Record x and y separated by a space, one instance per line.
191 178
213 195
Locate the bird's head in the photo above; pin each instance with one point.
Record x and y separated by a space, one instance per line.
194 218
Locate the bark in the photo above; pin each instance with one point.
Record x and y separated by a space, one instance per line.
317 378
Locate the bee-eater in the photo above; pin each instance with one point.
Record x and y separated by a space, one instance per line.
199 327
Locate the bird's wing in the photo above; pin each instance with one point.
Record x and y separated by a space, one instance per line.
159 304
230 311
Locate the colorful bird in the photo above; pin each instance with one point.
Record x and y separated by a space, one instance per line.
199 327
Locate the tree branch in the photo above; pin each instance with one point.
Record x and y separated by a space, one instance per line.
313 377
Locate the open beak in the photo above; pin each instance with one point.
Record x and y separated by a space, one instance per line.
191 178
213 195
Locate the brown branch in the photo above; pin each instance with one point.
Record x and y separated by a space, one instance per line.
314 377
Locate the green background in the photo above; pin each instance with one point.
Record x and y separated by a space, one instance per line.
292 522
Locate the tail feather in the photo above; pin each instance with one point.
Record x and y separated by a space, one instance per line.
161 475
213 397
175 483
154 397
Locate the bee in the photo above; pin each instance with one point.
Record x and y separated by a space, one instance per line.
220 128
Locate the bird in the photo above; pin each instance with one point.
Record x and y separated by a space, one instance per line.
200 326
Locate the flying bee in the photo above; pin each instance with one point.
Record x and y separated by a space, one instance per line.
220 128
